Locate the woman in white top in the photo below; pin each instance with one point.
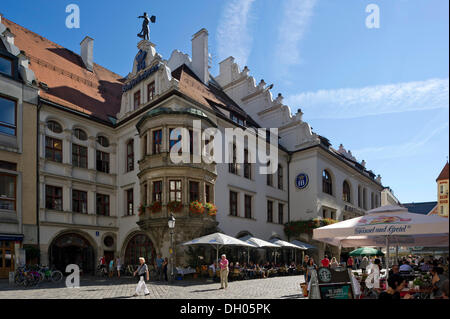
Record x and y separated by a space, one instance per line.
373 280
141 272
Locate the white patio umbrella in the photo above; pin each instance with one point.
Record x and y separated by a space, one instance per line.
217 240
283 244
257 243
304 246
384 226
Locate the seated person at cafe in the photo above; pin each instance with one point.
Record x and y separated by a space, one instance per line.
445 292
395 270
396 283
252 270
437 282
405 267
325 262
426 266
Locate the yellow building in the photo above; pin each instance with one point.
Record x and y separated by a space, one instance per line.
442 188
18 154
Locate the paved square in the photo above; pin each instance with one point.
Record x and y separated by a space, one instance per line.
123 288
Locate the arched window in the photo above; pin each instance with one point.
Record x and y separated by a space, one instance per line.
139 246
55 127
130 156
346 192
364 198
359 196
80 134
280 177
327 184
103 141
372 201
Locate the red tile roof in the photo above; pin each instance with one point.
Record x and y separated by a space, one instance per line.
444 173
71 85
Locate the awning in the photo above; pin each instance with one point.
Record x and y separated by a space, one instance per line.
11 237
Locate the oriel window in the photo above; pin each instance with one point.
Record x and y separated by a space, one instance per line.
157 191
157 141
194 191
175 190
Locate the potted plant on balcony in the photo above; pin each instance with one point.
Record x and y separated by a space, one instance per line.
196 207
155 207
211 209
141 209
174 206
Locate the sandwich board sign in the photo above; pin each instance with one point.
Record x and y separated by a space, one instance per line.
335 284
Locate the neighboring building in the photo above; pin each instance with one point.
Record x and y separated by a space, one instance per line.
18 149
103 153
442 192
420 208
439 208
388 198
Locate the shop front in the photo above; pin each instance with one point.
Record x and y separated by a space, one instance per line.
9 253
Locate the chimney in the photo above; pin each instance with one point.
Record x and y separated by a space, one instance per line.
200 55
87 53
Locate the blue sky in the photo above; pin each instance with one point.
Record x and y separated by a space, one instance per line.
383 93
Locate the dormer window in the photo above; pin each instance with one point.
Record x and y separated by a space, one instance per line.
6 66
237 119
55 127
80 134
151 91
137 99
103 141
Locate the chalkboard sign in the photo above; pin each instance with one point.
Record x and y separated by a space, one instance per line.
334 284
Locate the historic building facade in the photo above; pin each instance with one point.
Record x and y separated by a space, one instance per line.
18 149
107 184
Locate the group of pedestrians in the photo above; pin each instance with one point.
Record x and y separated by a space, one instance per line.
114 265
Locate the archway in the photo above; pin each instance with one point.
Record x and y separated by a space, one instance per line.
139 245
72 248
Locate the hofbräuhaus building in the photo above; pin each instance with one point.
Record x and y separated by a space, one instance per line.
106 182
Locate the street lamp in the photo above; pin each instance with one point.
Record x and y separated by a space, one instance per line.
171 223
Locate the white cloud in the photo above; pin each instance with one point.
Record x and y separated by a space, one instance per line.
296 19
412 147
373 100
233 37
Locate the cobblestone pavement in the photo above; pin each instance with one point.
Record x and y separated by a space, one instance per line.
124 288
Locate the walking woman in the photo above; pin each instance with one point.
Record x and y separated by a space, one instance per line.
311 266
164 268
224 270
141 272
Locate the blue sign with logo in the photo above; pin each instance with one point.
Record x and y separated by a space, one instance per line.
302 180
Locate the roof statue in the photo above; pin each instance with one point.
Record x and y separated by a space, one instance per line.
145 32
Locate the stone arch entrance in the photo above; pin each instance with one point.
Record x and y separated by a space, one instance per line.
72 248
139 245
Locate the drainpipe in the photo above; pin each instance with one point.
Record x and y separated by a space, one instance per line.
288 189
37 182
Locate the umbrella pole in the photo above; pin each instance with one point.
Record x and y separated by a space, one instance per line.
387 258
248 256
396 254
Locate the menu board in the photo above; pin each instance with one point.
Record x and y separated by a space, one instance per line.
334 284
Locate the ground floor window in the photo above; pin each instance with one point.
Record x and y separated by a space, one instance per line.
6 258
139 246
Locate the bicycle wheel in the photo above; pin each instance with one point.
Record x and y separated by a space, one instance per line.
56 276
19 279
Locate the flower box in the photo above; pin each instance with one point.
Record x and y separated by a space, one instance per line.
196 207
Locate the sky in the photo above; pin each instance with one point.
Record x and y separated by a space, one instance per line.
381 92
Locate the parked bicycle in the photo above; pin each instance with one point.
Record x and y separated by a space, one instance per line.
101 271
49 274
